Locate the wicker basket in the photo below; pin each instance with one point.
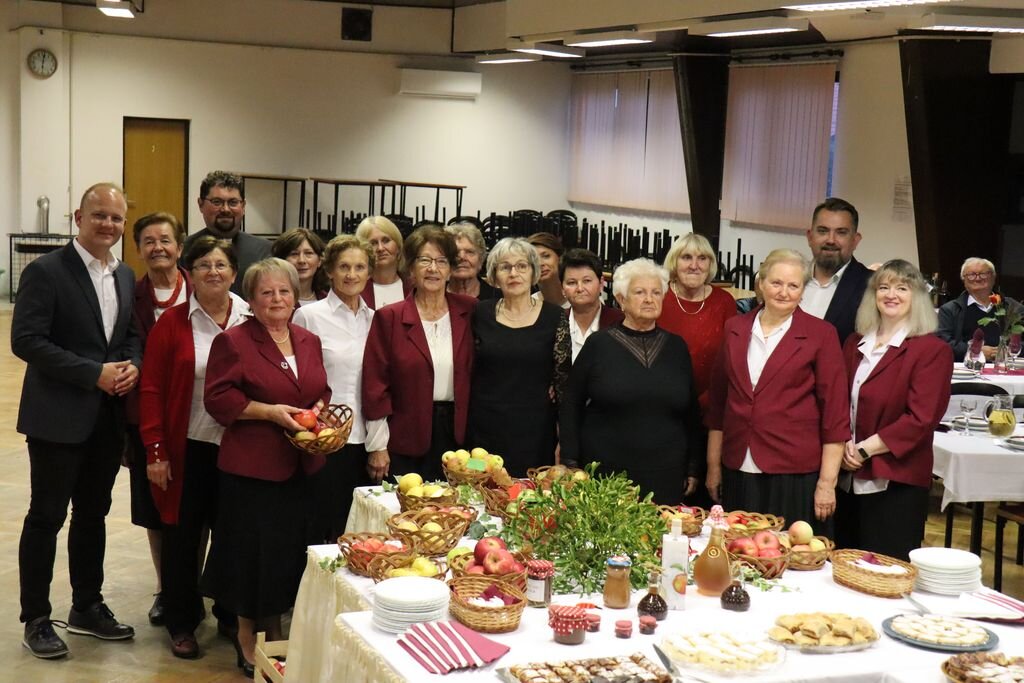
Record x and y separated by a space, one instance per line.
766 521
804 560
453 527
485 619
846 573
517 579
543 479
358 559
337 417
381 564
691 527
495 501
416 502
769 567
471 477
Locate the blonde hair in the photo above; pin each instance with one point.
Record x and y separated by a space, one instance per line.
388 228
269 266
787 256
691 243
922 319
507 246
638 267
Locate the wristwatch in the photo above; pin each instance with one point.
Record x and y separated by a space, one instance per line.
863 454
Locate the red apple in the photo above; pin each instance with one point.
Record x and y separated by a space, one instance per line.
498 561
517 567
743 546
800 533
469 565
306 418
486 545
475 569
766 539
769 552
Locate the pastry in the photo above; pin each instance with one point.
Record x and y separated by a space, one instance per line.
819 629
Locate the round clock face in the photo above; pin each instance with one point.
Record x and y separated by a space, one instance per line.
42 63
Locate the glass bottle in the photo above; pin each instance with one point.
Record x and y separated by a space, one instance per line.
1002 357
616 582
711 571
653 604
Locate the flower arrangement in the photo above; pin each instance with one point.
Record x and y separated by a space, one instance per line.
1009 321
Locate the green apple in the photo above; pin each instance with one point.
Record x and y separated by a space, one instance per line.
455 552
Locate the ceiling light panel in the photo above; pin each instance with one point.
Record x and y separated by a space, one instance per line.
827 6
969 22
748 27
506 58
548 50
609 39
116 8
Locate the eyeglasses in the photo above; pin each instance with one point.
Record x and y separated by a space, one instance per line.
522 267
207 267
426 262
219 203
978 276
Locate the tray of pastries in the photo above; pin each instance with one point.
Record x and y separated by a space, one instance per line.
723 653
984 667
823 633
635 668
936 632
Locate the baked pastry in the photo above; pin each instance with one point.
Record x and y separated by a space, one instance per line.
939 630
985 667
722 652
635 667
822 630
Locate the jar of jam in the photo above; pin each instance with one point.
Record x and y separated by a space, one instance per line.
616 582
735 598
539 574
568 623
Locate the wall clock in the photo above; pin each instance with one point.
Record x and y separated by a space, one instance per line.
42 62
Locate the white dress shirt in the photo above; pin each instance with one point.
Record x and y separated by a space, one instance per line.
384 295
870 355
162 294
343 336
201 425
103 282
579 336
817 296
983 306
759 351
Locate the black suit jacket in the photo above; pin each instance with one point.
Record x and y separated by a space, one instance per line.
842 311
58 330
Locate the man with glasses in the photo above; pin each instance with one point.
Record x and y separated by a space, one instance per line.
958 319
222 203
73 326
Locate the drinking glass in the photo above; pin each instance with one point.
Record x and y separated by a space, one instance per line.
1014 348
967 406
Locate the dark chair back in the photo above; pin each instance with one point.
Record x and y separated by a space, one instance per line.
976 389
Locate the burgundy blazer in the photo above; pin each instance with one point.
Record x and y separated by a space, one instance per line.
608 317
245 365
801 402
398 374
902 400
368 295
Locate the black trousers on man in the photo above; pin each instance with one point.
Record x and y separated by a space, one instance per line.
83 475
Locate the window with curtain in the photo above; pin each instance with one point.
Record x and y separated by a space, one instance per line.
778 129
626 148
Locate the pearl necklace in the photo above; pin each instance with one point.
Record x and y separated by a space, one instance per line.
503 310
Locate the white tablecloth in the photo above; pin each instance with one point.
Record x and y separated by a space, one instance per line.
370 511
975 468
1013 384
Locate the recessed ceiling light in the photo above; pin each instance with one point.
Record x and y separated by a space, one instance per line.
832 6
121 9
969 22
748 27
506 58
609 38
547 50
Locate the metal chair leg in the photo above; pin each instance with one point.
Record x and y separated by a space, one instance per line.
950 511
997 570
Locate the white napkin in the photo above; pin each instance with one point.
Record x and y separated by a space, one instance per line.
988 604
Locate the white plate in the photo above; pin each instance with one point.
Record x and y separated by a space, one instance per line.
410 591
944 559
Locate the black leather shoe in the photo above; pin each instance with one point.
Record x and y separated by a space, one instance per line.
42 641
98 621
156 612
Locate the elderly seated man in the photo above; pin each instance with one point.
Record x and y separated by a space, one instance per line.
958 319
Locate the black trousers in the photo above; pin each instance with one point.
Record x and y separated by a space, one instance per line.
332 491
179 564
80 474
890 522
442 438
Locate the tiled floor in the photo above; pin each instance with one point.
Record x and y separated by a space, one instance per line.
130 582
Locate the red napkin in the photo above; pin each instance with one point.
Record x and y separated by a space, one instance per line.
444 646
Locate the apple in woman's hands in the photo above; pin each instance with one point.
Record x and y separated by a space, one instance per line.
306 418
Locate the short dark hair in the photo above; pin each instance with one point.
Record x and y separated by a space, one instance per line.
290 240
155 219
201 246
225 179
429 234
579 258
546 240
836 204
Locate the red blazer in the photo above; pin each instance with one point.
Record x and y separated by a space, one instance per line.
398 375
609 316
245 365
902 400
368 295
801 402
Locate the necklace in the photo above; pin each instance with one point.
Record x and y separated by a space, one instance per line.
167 303
503 309
287 336
679 300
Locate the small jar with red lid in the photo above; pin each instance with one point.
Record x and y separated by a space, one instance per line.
539 575
568 623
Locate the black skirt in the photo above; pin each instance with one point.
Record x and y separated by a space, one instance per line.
259 545
788 495
332 491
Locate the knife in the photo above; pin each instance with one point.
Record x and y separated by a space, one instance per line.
668 663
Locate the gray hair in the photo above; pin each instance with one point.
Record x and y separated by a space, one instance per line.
509 246
977 261
638 267
922 320
471 233
787 256
269 266
691 243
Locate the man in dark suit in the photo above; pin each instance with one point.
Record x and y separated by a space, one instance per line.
73 326
222 203
583 285
839 280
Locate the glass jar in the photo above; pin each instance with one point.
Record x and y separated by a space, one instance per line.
568 623
653 604
616 582
539 577
711 570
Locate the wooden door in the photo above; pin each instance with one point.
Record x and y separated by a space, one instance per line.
155 175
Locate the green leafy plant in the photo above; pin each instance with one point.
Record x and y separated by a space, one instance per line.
580 524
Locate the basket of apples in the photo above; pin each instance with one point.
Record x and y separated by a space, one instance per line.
469 467
429 532
473 603
763 551
501 490
324 430
741 523
414 493
807 551
691 516
544 477
489 557
405 564
359 549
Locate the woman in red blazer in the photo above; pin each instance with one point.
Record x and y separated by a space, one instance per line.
259 375
386 286
778 409
179 435
417 365
899 380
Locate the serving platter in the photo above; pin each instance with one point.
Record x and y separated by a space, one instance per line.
992 641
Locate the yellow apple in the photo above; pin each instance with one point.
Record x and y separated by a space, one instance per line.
325 432
424 567
304 436
462 454
478 453
408 481
432 527
430 490
415 492
407 525
816 545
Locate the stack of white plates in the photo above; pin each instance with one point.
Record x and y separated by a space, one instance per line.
946 571
405 600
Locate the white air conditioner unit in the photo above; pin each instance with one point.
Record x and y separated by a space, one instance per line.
457 85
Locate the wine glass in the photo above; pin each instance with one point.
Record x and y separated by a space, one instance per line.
1014 348
968 405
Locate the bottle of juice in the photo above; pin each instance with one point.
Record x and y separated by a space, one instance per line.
675 558
711 571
